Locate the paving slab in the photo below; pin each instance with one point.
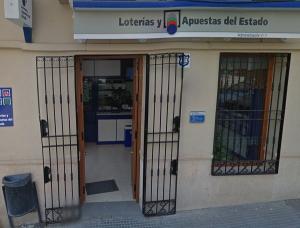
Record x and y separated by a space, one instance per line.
279 214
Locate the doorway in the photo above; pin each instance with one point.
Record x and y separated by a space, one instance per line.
64 139
108 113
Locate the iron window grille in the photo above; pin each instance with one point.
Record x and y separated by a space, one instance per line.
250 113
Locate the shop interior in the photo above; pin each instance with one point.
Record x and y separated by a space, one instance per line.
107 99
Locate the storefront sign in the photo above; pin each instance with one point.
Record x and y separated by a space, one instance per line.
197 117
186 23
6 107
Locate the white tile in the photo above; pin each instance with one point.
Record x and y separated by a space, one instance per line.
106 162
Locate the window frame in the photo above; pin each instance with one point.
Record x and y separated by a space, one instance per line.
254 167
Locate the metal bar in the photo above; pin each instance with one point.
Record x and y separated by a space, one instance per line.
232 94
277 105
261 87
152 142
55 131
51 67
159 64
76 122
178 135
39 108
153 127
69 126
239 122
61 136
160 122
244 121
49 151
251 92
231 101
227 125
283 108
156 133
167 115
222 78
53 146
217 125
62 130
172 139
146 133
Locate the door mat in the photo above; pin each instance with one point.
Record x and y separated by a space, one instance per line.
101 187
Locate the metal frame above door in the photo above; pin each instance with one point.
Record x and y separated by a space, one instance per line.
163 98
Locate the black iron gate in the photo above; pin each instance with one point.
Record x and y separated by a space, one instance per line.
57 115
164 80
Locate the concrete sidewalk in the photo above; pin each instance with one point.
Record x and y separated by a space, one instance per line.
127 214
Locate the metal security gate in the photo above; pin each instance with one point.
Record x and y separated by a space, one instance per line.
57 115
164 80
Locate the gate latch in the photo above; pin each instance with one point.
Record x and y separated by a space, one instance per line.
47 174
44 128
174 167
176 124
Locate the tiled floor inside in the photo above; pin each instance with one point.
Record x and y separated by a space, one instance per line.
107 162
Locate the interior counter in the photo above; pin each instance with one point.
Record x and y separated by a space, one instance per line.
111 127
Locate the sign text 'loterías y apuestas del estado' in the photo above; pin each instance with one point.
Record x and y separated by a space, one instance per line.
241 21
186 23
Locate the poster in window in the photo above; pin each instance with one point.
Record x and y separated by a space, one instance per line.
6 107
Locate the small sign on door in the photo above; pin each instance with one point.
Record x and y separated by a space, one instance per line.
197 117
6 107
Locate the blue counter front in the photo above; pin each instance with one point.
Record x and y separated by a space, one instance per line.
111 127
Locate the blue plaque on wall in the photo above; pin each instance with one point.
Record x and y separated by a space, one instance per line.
197 117
6 107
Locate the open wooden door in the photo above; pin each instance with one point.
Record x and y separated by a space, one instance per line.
136 125
80 126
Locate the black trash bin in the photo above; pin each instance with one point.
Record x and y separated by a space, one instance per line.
20 196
